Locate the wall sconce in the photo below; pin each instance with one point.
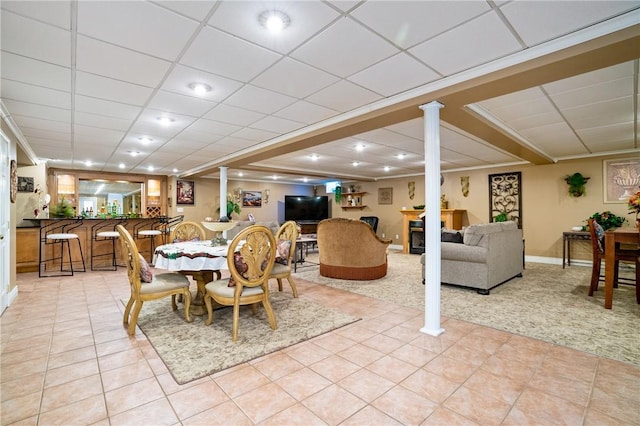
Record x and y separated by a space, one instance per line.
265 198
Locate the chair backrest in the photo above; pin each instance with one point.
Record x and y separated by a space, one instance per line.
372 221
288 231
258 254
131 258
597 238
187 231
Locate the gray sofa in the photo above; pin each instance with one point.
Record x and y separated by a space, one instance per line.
490 254
241 224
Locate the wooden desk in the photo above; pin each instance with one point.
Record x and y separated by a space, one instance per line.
452 219
567 237
611 237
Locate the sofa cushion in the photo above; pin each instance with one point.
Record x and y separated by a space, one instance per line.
474 233
283 249
463 252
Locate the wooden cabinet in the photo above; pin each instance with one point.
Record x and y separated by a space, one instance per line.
450 218
27 243
353 200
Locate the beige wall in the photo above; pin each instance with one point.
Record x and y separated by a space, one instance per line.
26 201
12 211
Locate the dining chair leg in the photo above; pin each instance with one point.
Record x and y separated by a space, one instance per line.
595 277
236 319
270 315
292 283
207 303
134 317
187 305
127 311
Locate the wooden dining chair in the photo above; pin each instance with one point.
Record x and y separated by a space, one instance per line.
597 245
146 286
286 238
250 267
187 231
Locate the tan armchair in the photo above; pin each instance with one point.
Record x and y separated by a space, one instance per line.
157 287
282 268
349 249
250 269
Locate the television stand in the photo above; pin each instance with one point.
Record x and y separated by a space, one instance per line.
308 226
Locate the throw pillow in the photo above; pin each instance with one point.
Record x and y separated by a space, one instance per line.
146 276
599 234
451 237
283 248
240 266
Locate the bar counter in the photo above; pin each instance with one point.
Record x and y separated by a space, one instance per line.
28 239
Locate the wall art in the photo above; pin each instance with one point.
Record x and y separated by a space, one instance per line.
251 198
185 192
505 197
621 179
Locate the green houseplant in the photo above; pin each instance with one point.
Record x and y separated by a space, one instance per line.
607 220
576 184
232 207
62 209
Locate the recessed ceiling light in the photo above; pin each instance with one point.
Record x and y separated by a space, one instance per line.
88 163
274 20
165 121
200 89
305 180
274 177
355 163
314 157
175 170
240 174
150 168
134 153
121 166
360 147
401 156
387 168
145 139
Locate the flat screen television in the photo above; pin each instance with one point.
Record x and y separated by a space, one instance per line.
306 208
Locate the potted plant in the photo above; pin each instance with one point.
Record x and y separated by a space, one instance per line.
62 209
576 184
607 220
232 207
502 217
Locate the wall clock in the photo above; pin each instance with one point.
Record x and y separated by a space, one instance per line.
14 181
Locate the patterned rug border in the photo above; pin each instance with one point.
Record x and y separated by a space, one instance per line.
184 347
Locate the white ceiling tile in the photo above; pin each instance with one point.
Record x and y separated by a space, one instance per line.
190 134
148 123
294 78
532 94
222 54
260 100
338 49
98 135
394 75
607 90
613 132
196 9
213 127
140 26
535 120
602 113
407 23
241 19
180 104
38 123
343 96
102 121
110 89
35 39
18 91
482 40
256 135
556 140
535 24
104 59
27 70
276 125
53 12
106 108
38 111
614 72
178 145
31 132
306 112
181 77
230 114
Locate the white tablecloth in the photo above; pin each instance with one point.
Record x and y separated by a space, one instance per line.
191 256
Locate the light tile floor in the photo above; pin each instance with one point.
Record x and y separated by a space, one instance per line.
66 359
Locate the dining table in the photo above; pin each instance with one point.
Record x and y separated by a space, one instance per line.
199 259
611 238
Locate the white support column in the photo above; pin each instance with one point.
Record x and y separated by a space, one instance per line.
223 191
432 218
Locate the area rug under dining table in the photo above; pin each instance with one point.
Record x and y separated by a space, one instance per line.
193 350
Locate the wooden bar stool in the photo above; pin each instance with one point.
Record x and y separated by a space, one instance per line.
57 236
105 230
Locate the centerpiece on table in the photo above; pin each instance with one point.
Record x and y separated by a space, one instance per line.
607 220
634 205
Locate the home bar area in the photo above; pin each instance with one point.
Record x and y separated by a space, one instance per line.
89 205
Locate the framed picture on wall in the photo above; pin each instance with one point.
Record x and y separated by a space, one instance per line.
25 184
185 192
621 179
505 197
385 195
251 198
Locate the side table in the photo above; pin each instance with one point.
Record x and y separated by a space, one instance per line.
567 237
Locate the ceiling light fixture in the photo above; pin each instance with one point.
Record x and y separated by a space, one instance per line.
165 121
150 168
175 170
360 147
274 177
88 163
314 157
387 168
145 139
355 163
200 89
121 166
240 174
401 156
134 153
274 20
305 180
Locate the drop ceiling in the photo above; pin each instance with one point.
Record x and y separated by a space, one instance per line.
520 82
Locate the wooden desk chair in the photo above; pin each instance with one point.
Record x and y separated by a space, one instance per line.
250 267
155 286
286 238
597 245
